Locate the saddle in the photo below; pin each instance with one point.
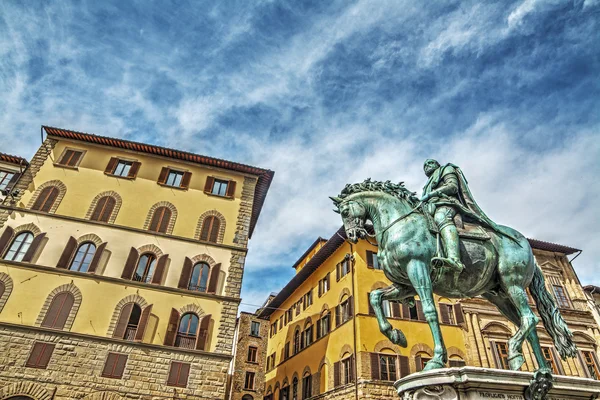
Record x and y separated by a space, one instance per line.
466 230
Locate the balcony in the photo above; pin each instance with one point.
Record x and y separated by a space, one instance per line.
185 341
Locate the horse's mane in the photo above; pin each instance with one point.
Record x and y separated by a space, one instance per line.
395 189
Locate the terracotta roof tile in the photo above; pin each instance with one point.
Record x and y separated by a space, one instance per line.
13 159
265 176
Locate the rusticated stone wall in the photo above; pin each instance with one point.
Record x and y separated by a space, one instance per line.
74 371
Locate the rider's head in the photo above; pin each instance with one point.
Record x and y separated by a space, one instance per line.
430 166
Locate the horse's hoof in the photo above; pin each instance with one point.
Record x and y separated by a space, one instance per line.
398 338
433 364
516 362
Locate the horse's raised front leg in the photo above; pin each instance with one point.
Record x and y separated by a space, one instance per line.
376 298
418 273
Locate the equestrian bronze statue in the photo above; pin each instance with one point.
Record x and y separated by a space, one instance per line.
443 243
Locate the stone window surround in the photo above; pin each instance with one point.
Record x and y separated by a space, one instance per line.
62 190
71 288
8 287
132 298
115 212
67 148
172 220
222 224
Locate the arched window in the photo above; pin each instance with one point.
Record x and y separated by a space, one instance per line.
83 258
104 209
199 279
134 311
46 199
210 229
306 385
295 389
187 332
59 311
307 335
160 220
247 397
19 246
145 268
297 341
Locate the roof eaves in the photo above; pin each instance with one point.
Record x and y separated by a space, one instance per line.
310 248
554 247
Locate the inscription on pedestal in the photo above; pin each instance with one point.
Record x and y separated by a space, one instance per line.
492 395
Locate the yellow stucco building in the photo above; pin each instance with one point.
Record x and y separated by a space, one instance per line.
324 340
121 268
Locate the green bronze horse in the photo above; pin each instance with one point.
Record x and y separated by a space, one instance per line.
498 268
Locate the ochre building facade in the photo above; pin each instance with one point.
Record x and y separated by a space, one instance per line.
121 269
324 340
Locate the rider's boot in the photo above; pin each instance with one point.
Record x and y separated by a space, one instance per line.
450 239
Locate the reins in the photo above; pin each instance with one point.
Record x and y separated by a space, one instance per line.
392 224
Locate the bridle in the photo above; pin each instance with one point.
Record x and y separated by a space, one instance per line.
368 235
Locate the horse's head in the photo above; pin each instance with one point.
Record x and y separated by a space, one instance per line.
354 215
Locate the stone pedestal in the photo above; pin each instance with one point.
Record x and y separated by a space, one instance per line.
472 383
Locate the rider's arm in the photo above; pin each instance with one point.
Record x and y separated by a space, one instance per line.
448 187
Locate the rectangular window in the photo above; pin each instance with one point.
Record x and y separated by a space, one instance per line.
249 382
252 354
343 268
447 314
323 326
178 374
345 310
273 329
286 351
421 362
307 387
589 362
347 372
549 356
387 308
255 328
502 355
70 158
561 296
372 260
174 178
5 178
387 367
309 298
324 285
308 336
122 169
280 323
114 365
40 355
219 187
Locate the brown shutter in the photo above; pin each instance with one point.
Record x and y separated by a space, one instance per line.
160 269
444 316
35 243
496 355
59 310
63 261
46 199
173 372
396 309
375 366
162 178
109 364
336 374
458 314
119 331
369 259
352 368
141 329
109 206
230 189
351 306
183 375
320 287
209 184
120 366
206 223
404 366
185 181
214 230
186 274
165 220
337 272
36 352
99 208
214 278
172 328
96 259
203 333
405 311
420 314
130 264
133 171
371 310
5 239
65 158
75 159
418 363
110 167
337 316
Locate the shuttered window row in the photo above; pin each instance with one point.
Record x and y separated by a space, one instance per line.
450 314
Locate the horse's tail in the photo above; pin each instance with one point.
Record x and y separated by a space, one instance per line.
551 317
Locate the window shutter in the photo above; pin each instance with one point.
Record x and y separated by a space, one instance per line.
63 261
109 206
206 223
444 314
65 158
418 363
75 159
40 355
173 372
110 167
183 375
214 278
456 363
404 366
97 257
119 331
320 285
351 306
371 310
119 365
141 329
405 311
203 333
185 181
230 189
160 269
352 368
46 199
109 364
130 264
369 259
59 311
458 314
337 272
35 243
164 172
209 184
586 372
99 208
337 316
133 171
13 181
214 231
396 309
186 274
420 314
495 354
375 366
318 325
172 328
336 374
5 239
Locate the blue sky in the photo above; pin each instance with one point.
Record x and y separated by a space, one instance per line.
326 93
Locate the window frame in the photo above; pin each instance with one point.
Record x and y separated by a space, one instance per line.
252 332
252 375
9 175
179 335
561 296
346 370
42 206
306 386
252 354
59 160
390 360
36 363
20 247
223 183
180 365
585 354
118 356
149 267
178 173
88 243
196 288
125 163
501 350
